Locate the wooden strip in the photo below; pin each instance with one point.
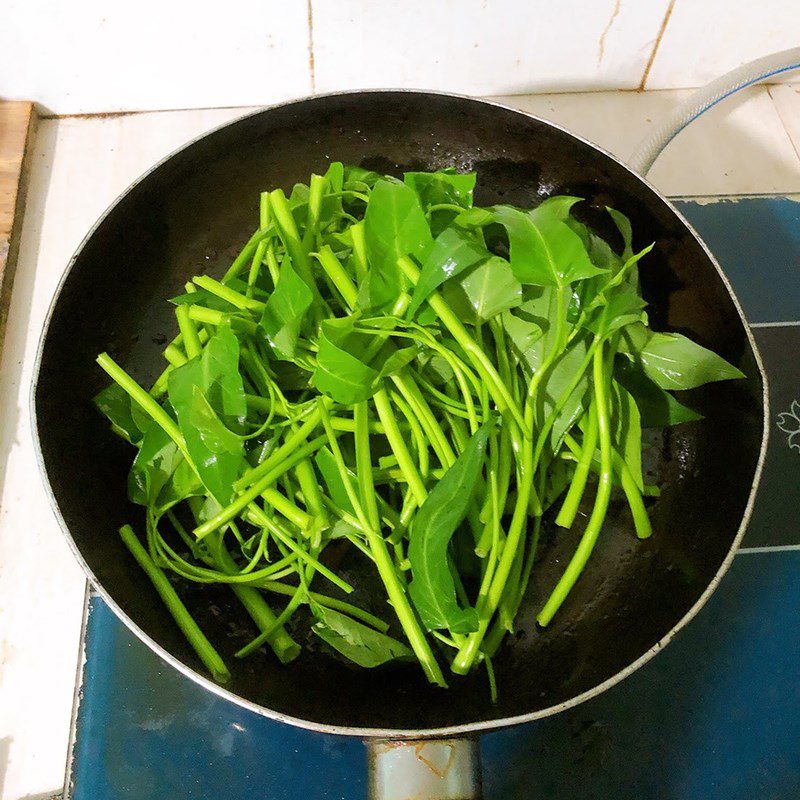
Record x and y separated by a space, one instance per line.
17 129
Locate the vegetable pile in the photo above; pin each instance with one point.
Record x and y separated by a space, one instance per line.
389 368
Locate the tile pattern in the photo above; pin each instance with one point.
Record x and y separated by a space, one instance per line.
716 716
703 40
775 518
738 145
479 47
757 242
787 103
91 57
147 56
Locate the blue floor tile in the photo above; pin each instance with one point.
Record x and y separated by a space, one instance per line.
757 242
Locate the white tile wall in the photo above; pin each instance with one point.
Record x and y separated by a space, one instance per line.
484 46
705 38
97 56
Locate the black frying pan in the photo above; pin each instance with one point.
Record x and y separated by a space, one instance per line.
196 209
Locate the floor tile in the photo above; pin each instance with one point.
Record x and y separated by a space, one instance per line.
775 519
715 716
787 102
757 243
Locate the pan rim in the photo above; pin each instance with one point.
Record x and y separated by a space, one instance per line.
462 729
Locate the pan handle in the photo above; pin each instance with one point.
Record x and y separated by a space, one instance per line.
427 769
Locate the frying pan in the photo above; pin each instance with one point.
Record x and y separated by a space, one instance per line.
192 213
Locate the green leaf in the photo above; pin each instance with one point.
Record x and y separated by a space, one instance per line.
474 218
626 426
326 464
445 186
217 452
335 176
432 589
395 360
555 384
657 408
211 382
674 362
358 175
453 251
624 227
157 459
340 374
283 315
182 483
557 207
623 307
438 370
394 226
354 640
525 333
484 291
531 327
216 372
116 404
202 297
544 250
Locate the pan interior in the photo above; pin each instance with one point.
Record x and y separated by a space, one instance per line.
193 213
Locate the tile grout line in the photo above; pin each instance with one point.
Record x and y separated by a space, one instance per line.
78 692
656 45
311 68
777 548
795 146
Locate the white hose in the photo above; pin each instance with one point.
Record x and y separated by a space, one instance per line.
756 71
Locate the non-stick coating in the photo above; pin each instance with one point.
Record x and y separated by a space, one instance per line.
193 213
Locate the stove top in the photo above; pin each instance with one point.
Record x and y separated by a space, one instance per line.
716 716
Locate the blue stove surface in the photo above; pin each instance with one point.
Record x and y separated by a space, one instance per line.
715 716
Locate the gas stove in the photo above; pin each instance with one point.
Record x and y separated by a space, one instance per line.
716 716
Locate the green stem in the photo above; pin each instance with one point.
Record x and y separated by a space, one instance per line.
287 229
476 355
359 250
285 648
190 629
247 252
191 338
387 571
330 602
398 444
282 535
366 487
254 490
231 296
147 403
569 508
593 527
292 441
